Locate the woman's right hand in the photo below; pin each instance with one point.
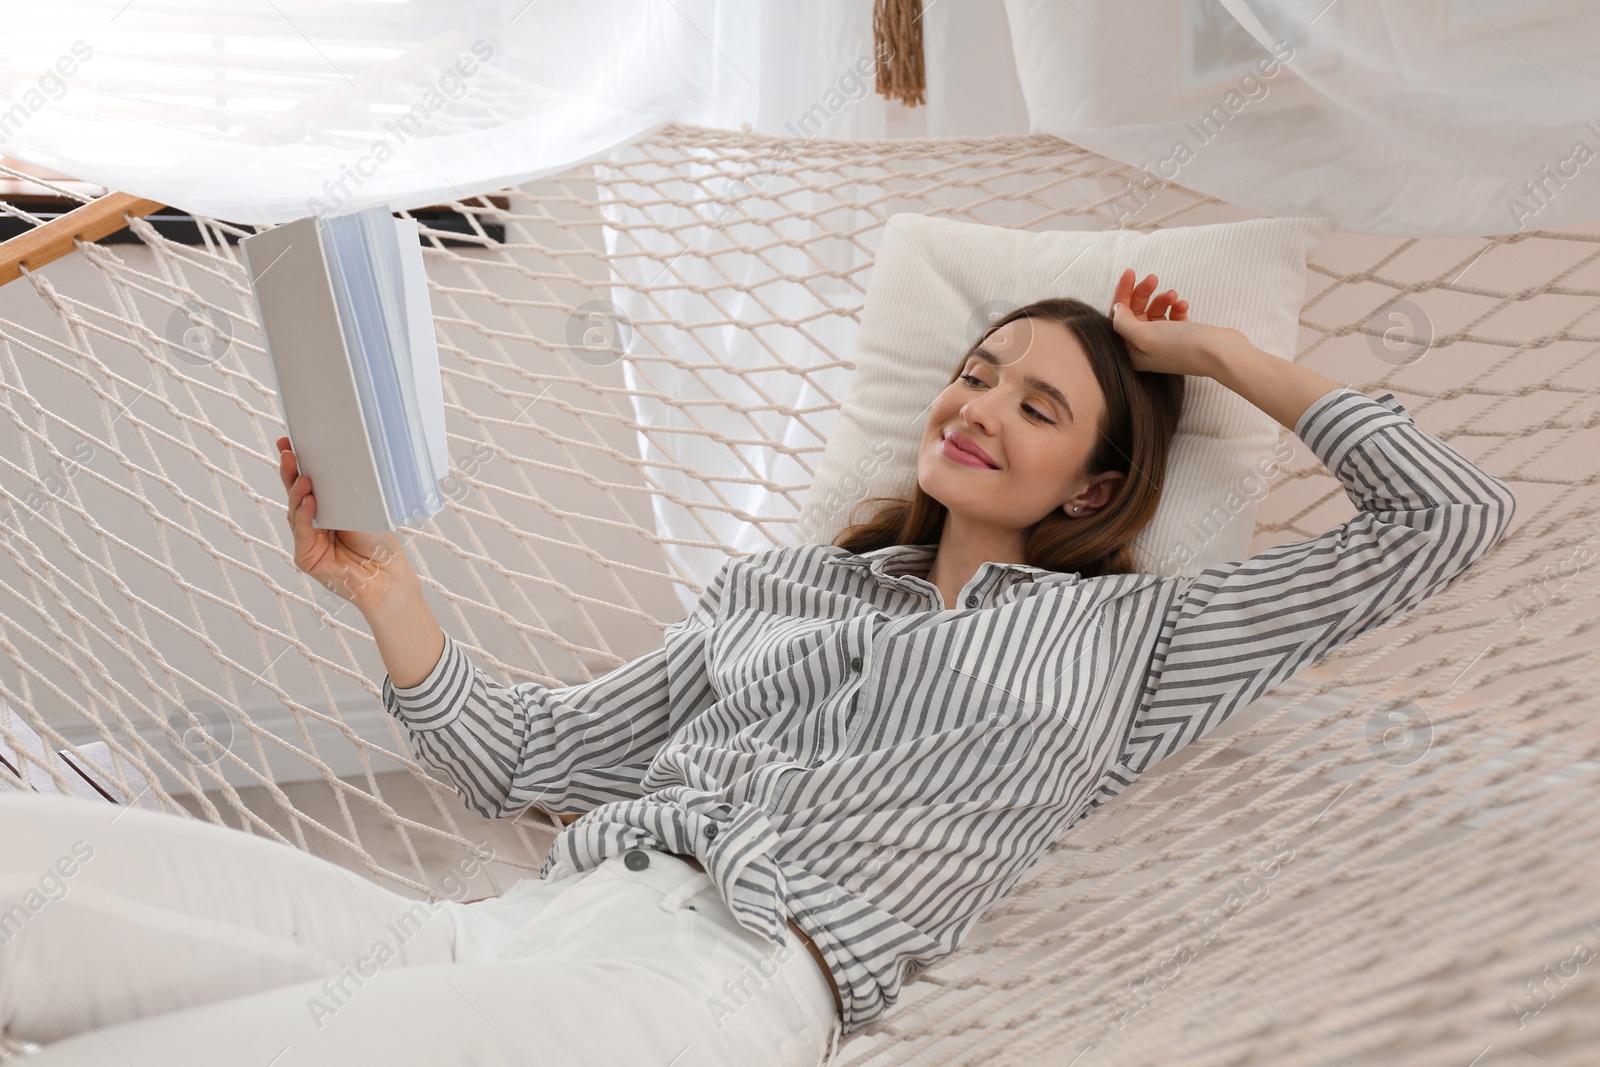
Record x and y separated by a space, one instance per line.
368 569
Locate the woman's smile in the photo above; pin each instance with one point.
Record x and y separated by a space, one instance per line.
956 443
967 459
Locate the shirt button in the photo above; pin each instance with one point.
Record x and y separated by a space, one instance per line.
711 831
855 663
972 601
636 859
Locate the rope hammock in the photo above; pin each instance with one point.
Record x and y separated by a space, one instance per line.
1391 858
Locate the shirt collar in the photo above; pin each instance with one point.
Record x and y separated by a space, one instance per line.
897 560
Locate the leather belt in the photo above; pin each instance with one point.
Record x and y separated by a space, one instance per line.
816 954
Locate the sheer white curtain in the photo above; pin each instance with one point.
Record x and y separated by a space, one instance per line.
1424 117
1417 117
264 113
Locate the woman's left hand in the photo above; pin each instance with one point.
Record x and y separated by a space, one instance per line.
1158 333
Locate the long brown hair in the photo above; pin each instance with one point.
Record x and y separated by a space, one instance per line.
1141 416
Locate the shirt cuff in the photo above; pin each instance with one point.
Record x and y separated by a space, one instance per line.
1342 418
438 699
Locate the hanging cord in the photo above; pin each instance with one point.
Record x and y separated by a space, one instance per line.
897 41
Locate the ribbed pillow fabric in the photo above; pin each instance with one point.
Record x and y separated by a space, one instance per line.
937 284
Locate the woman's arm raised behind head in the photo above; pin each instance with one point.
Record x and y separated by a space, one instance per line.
1230 634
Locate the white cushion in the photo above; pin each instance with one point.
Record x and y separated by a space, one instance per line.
937 284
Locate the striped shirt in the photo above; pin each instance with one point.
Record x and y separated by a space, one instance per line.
837 746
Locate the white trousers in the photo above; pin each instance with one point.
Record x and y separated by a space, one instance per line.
132 938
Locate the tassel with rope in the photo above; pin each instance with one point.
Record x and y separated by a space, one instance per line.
897 42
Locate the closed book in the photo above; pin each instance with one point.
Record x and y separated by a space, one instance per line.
344 311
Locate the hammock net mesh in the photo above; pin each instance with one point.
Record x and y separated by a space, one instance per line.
1392 858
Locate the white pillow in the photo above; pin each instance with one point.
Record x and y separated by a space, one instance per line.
937 284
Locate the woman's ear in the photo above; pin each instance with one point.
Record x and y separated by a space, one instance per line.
1099 494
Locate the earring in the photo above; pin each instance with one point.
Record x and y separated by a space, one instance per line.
1074 509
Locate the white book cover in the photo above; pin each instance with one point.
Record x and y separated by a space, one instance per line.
345 438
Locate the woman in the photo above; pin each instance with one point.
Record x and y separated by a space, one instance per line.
832 768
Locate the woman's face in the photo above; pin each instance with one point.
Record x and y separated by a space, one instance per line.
1009 440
